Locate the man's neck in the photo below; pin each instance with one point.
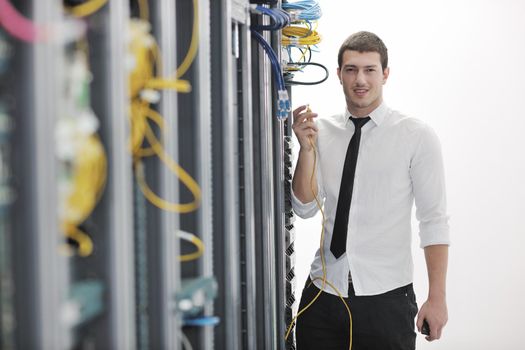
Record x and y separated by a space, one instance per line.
365 111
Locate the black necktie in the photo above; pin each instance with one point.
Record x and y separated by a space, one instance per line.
338 244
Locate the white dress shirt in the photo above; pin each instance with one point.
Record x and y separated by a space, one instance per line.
399 160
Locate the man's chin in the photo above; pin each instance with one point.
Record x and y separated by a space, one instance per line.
361 104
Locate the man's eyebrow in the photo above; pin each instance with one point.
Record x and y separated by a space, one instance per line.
354 66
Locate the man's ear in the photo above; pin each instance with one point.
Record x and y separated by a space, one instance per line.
339 75
386 73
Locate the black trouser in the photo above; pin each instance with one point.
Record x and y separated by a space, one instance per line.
380 322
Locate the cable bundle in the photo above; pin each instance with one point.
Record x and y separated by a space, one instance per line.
279 17
84 163
88 181
308 10
283 103
145 81
302 36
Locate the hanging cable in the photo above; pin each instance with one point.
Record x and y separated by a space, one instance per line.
283 101
87 8
89 180
192 50
294 65
190 237
185 341
279 17
301 65
143 85
145 82
321 252
143 10
19 26
183 176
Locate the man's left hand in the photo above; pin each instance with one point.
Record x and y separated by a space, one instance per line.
436 314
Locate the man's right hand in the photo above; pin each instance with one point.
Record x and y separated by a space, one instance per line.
304 127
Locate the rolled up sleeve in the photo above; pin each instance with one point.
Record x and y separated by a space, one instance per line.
428 181
305 210
308 210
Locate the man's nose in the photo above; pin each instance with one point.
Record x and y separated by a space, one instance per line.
360 78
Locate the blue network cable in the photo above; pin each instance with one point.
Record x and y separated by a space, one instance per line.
308 10
201 321
283 103
280 18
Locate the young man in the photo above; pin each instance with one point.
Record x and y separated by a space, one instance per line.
372 163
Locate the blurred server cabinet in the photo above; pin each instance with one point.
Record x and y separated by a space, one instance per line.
124 274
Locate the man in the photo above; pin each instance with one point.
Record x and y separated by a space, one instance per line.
372 163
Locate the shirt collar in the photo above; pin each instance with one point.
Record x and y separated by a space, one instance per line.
378 115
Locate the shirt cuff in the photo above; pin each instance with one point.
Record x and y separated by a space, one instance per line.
438 235
304 210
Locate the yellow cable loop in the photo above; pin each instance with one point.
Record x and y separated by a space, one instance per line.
138 116
195 255
159 83
89 180
194 43
157 119
144 77
183 176
87 8
294 35
182 86
323 263
85 244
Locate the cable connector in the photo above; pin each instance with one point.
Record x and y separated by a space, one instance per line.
283 104
253 9
294 15
150 95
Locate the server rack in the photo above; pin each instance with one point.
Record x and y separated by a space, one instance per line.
224 134
78 301
226 249
40 276
194 138
7 316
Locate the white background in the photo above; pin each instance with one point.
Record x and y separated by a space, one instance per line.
459 66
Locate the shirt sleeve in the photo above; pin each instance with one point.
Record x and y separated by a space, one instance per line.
307 210
428 182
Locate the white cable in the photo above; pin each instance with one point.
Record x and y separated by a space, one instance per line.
185 341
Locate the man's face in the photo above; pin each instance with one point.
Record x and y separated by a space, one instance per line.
362 78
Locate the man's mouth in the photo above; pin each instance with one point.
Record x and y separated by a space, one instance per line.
360 92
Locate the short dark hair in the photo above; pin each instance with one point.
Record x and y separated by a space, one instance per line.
364 42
